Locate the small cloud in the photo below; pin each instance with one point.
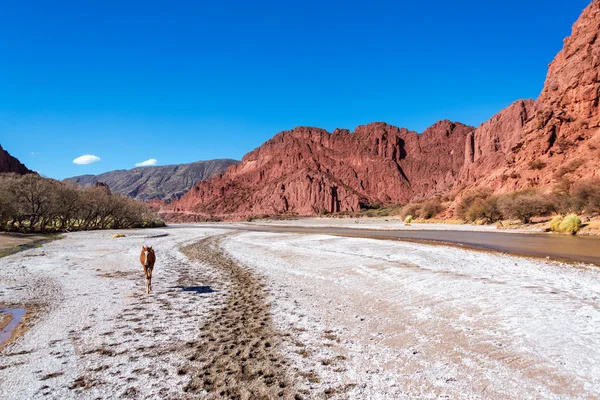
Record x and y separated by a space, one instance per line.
146 163
34 153
86 159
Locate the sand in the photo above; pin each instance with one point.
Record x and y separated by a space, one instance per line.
312 316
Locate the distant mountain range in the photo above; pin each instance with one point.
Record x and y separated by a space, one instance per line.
9 163
166 182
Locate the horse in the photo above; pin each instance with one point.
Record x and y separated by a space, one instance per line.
148 258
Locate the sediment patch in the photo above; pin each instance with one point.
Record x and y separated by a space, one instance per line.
237 353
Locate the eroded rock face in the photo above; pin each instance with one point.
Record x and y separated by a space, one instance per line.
308 171
546 143
566 123
559 132
9 163
491 147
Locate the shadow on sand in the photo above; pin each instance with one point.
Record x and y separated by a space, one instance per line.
195 289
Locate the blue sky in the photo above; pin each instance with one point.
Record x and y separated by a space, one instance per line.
180 81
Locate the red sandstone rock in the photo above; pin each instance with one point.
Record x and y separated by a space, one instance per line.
9 163
561 129
490 147
307 171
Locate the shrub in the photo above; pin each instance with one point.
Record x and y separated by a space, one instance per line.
485 210
524 205
585 197
410 209
430 208
570 224
537 164
408 219
555 223
422 210
469 198
569 168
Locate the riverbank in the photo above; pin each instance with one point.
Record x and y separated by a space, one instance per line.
11 243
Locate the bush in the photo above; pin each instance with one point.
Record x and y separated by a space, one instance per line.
537 164
411 209
408 219
485 210
524 205
472 198
570 224
569 168
422 210
555 223
430 208
585 197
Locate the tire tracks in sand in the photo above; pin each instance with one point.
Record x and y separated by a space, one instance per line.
237 353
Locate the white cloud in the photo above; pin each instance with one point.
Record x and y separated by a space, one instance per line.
146 163
86 159
34 153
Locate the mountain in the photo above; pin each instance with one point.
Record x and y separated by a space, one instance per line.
552 140
166 182
9 163
306 171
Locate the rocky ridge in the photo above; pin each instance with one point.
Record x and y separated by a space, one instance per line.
166 182
547 143
9 163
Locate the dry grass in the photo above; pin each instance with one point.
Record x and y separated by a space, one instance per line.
570 224
555 223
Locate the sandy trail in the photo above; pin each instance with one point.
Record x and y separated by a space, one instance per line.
237 347
249 314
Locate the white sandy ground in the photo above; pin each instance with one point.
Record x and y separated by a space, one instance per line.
368 319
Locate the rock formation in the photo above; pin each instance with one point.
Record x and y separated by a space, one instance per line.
165 182
544 143
307 171
9 163
555 138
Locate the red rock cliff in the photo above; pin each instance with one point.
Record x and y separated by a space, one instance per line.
554 140
559 132
308 171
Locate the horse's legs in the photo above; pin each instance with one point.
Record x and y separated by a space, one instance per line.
148 279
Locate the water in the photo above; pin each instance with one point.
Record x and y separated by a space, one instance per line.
584 249
17 315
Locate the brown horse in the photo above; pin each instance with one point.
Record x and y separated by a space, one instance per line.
148 258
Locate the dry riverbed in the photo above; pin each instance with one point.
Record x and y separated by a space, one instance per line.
281 315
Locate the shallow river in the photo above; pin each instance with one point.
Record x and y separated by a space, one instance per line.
557 247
